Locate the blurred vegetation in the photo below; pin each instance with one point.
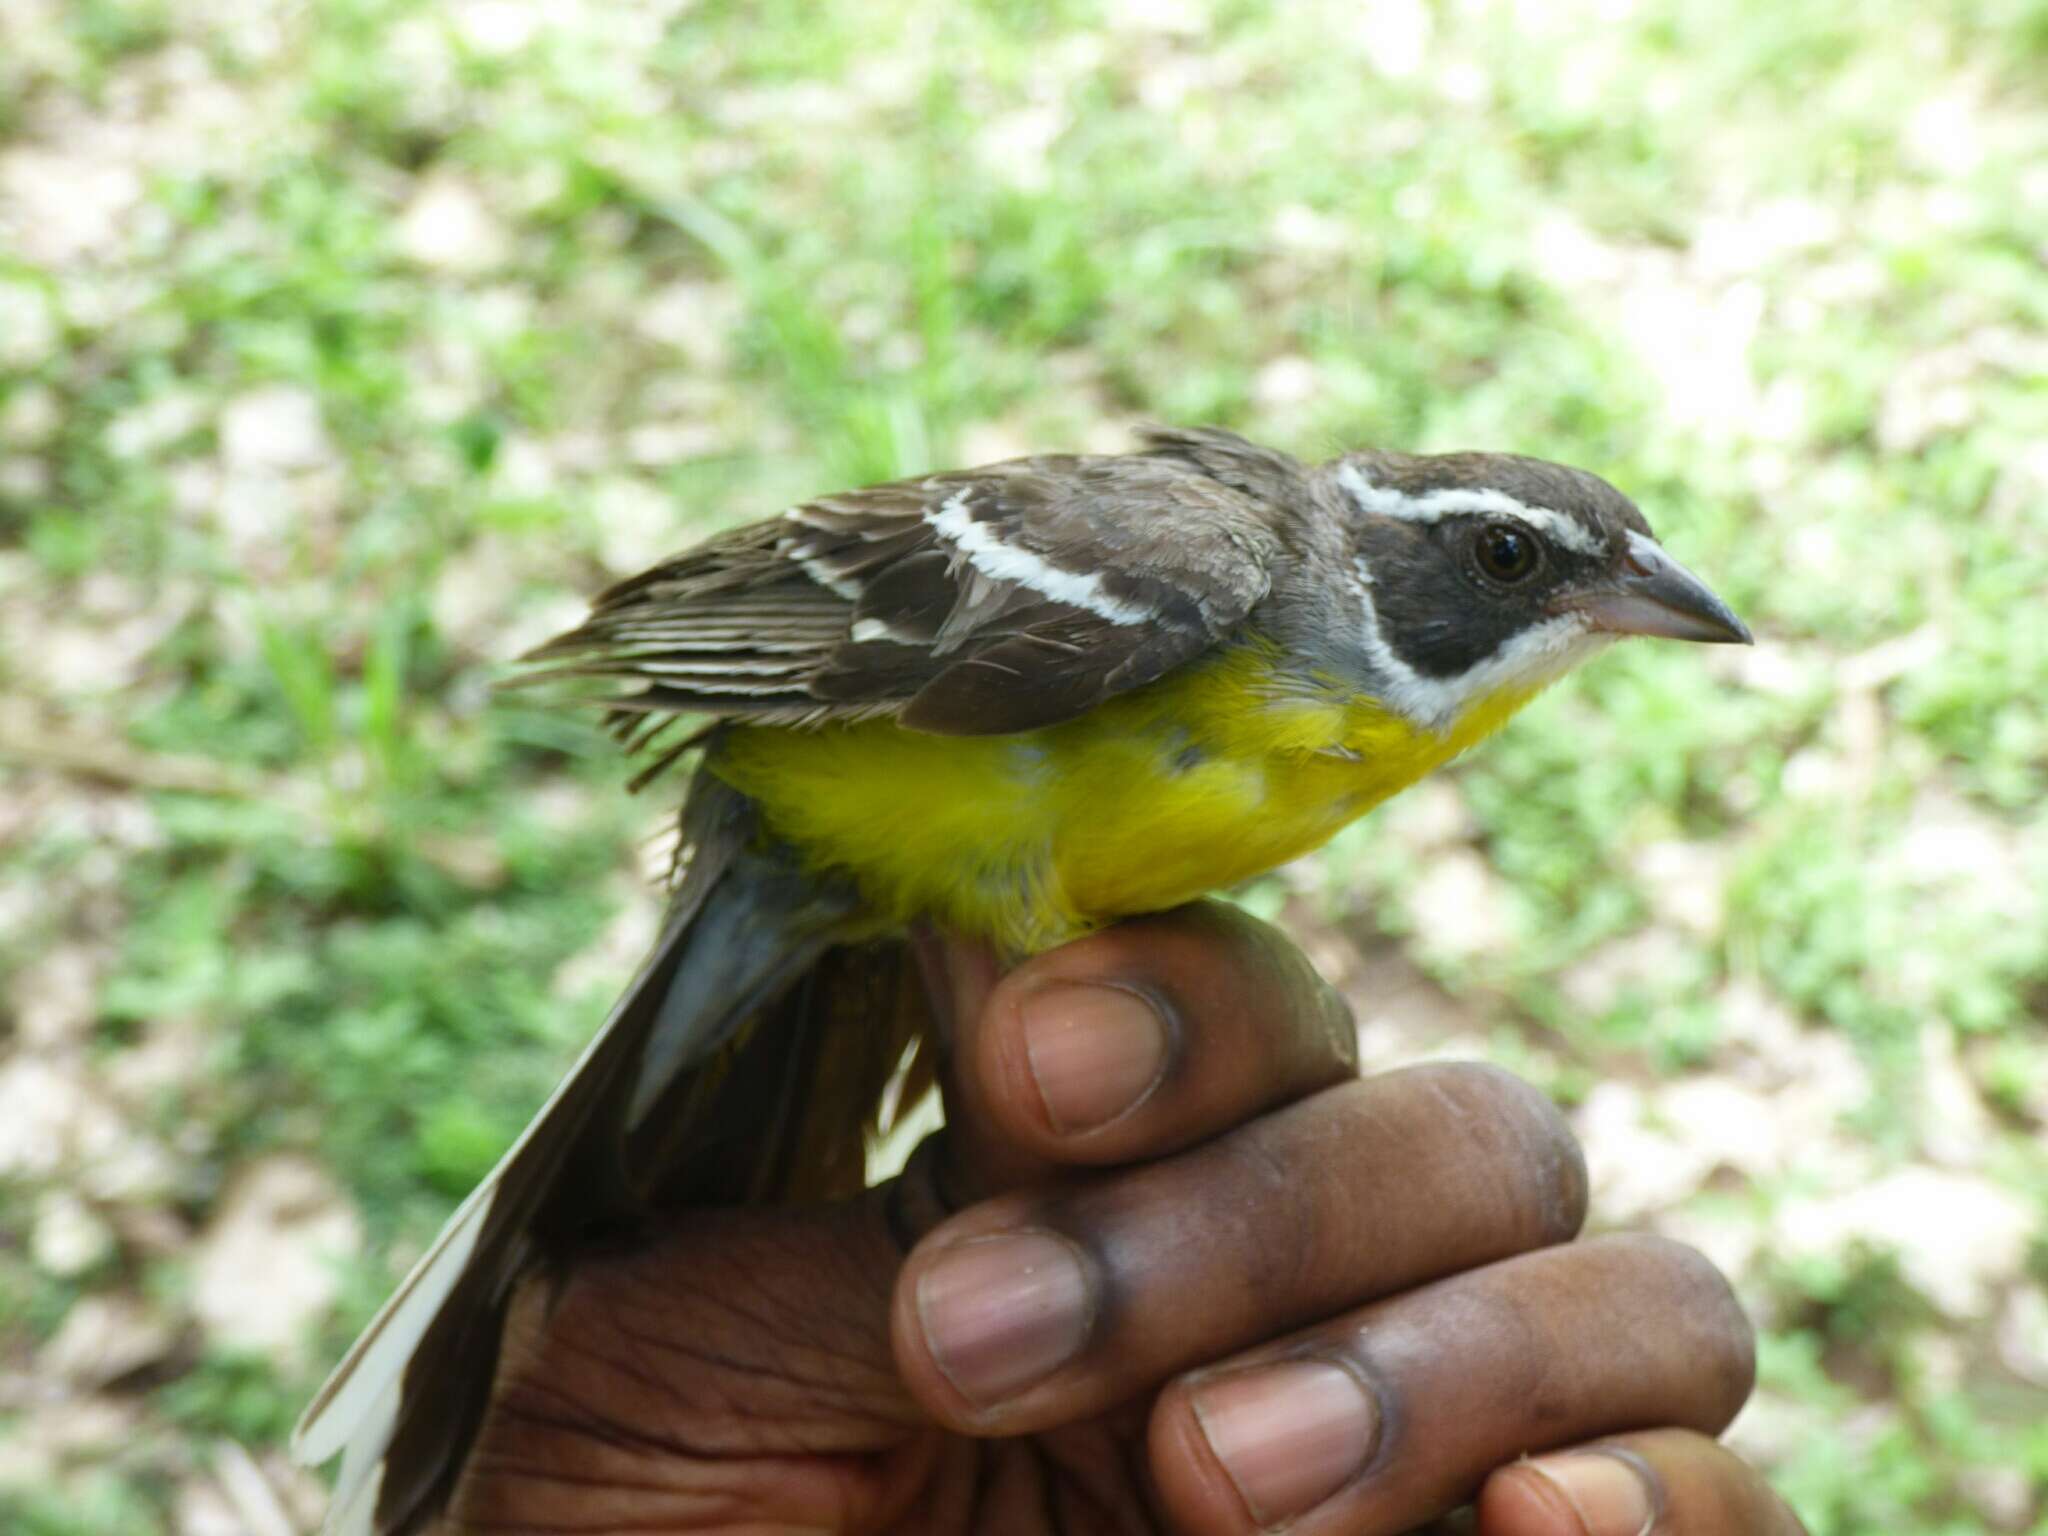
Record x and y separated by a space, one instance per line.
344 346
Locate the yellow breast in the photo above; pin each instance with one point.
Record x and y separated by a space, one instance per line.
1201 780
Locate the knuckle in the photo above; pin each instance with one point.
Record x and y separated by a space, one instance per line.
1695 1281
1713 1318
1481 1088
1522 1130
1283 1214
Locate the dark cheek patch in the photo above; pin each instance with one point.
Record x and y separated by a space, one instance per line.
1432 614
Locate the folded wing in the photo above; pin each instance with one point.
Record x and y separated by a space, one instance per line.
985 602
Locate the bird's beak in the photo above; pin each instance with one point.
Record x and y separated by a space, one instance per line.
1655 595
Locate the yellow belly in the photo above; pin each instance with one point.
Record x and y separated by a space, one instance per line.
1201 780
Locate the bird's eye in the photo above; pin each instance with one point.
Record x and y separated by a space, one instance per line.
1506 553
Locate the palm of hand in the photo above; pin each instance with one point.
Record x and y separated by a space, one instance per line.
749 1389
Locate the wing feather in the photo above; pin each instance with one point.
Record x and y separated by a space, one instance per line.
981 602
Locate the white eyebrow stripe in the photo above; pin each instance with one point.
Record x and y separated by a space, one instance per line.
988 554
1432 506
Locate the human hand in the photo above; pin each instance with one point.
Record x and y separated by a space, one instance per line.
1210 1282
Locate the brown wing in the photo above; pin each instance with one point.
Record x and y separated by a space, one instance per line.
980 602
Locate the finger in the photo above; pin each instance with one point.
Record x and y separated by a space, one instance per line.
1140 1040
1388 1417
1670 1482
1037 1307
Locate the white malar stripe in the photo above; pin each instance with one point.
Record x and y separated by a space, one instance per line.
988 554
1433 506
1538 655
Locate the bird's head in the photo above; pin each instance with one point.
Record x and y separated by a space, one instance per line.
1475 574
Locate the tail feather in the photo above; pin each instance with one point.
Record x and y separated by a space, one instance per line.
787 1115
370 1397
353 1511
692 1034
361 1390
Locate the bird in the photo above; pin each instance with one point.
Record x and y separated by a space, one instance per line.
1014 703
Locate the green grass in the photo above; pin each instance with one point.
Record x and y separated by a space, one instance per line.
1777 271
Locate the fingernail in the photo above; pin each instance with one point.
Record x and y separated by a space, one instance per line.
1003 1313
1289 1435
1608 1494
1095 1052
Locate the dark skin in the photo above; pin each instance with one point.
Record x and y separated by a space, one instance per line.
1363 1292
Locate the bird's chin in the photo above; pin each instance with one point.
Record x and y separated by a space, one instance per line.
1526 665
1552 649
